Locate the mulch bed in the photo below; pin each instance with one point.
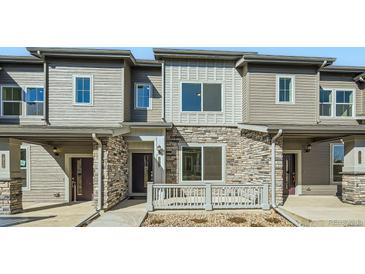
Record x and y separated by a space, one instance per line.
216 219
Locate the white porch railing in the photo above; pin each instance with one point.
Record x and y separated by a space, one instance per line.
207 196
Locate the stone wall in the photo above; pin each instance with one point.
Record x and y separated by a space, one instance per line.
10 197
248 154
115 171
353 189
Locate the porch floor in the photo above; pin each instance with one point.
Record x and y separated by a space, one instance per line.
324 211
50 215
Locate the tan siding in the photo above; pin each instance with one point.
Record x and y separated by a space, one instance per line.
22 76
178 71
47 177
107 109
151 76
334 81
262 95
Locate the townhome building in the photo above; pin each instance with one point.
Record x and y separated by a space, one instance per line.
189 129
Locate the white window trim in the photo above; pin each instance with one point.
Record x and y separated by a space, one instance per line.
202 96
292 77
332 146
135 96
223 146
334 103
24 109
21 101
91 89
27 149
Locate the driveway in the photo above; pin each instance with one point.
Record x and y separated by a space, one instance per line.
50 215
324 211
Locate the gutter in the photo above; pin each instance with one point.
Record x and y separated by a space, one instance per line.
100 150
273 168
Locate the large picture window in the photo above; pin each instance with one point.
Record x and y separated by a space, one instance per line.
34 101
11 101
201 97
202 163
336 103
337 162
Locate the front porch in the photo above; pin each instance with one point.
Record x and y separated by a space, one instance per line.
323 211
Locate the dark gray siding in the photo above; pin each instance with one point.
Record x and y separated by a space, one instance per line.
151 76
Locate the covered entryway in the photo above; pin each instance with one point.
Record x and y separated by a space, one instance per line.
142 172
289 173
82 179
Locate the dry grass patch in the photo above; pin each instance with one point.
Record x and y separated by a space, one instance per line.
273 220
199 221
237 220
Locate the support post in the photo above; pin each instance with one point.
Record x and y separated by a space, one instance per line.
265 197
150 196
208 197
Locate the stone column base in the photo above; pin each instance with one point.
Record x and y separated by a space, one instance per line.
11 197
353 188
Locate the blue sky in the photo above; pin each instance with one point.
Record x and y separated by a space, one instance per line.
345 56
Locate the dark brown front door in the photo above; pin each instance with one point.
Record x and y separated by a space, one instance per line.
289 173
141 171
82 179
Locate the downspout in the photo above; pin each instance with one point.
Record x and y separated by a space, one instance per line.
163 90
100 149
273 168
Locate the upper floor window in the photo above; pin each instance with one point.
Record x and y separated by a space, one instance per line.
34 101
83 90
336 103
201 97
11 98
142 96
285 89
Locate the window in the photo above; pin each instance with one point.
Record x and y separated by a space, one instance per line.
35 101
344 103
83 90
285 89
11 101
201 97
143 96
24 166
202 163
337 162
325 102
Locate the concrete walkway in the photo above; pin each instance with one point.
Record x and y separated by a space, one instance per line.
128 213
50 215
324 211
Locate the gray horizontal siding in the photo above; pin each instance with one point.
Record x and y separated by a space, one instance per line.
177 71
343 81
107 109
47 177
262 96
23 76
151 76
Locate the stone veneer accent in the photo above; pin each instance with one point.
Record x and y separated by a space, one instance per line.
248 154
353 189
115 171
10 197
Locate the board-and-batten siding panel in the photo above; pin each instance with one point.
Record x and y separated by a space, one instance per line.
341 81
107 108
127 95
47 178
178 71
150 76
23 76
244 95
263 108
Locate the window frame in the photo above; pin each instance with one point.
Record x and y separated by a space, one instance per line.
201 146
25 92
27 153
21 101
74 77
334 103
202 96
136 107
330 103
277 99
332 163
